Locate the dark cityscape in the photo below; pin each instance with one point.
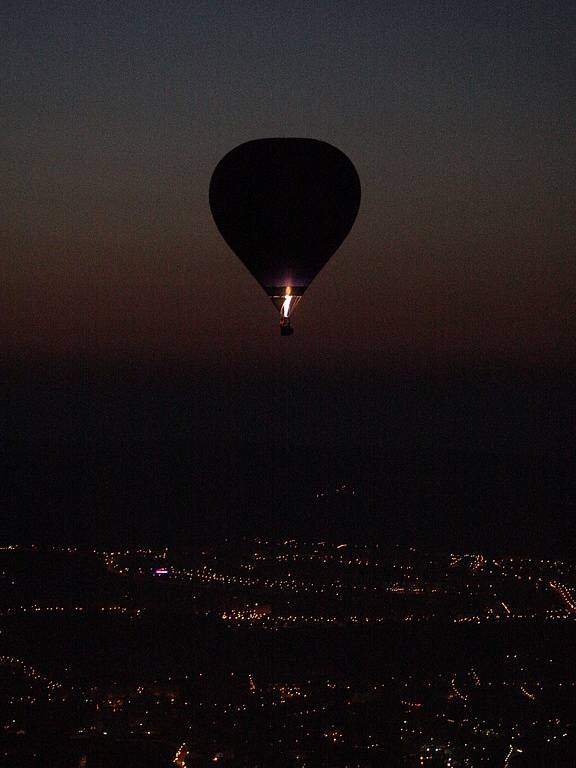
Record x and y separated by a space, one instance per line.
288 653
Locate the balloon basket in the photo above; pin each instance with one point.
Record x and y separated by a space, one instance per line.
285 327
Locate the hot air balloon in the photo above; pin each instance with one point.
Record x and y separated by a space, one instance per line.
284 206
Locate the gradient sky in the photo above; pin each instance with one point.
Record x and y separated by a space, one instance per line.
143 381
460 117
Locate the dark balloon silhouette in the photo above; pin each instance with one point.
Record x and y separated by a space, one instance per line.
284 206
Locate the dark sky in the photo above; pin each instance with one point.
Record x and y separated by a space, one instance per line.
446 319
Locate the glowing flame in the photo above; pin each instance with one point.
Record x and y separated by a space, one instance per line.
285 311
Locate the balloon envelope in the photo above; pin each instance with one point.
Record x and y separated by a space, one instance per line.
284 206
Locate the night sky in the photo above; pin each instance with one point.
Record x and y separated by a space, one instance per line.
143 374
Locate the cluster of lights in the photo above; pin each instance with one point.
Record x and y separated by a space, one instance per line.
565 594
180 756
255 613
288 692
549 615
67 609
344 555
29 672
316 556
279 621
334 735
522 569
341 489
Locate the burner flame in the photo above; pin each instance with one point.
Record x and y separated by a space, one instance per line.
285 311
